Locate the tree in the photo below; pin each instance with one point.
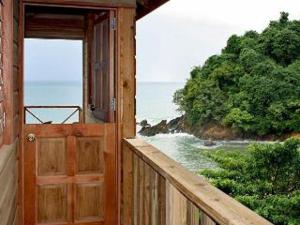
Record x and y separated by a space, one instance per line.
266 178
252 86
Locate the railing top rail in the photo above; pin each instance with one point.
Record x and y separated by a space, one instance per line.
75 108
52 107
219 206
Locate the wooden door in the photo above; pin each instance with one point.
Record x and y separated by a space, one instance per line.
70 174
103 66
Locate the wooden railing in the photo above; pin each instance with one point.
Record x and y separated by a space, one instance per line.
156 190
76 110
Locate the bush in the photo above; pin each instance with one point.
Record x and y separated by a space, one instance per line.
266 179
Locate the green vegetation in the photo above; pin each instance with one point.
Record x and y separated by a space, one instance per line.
265 177
252 86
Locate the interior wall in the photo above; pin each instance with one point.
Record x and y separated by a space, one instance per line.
9 107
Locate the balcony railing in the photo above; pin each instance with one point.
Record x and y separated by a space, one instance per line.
53 114
157 190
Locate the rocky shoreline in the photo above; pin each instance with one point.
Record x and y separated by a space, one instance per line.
211 131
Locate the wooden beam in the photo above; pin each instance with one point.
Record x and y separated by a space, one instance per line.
86 3
144 7
55 26
125 94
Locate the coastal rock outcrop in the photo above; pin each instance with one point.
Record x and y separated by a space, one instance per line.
144 123
160 128
210 131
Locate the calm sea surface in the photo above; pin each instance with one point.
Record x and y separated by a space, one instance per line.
154 103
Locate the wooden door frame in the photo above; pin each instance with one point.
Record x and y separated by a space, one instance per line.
124 86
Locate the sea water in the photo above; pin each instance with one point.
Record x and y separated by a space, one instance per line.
154 103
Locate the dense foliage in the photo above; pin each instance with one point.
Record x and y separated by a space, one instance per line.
252 86
266 179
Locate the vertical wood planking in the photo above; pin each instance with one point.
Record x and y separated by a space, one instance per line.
127 185
147 194
154 210
126 71
176 207
155 201
125 95
7 42
162 200
135 190
193 214
206 220
8 184
177 196
1 73
141 183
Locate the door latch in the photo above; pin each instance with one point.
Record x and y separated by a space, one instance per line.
31 137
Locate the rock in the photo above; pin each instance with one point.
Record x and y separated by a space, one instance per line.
177 125
209 143
210 131
215 131
160 128
144 123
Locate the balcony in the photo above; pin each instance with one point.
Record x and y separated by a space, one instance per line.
157 190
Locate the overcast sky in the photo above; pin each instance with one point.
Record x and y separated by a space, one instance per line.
170 41
184 33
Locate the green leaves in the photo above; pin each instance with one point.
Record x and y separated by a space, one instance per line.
253 86
266 179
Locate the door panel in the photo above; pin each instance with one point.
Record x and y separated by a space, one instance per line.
70 174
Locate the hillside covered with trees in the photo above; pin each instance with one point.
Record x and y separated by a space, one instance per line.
253 86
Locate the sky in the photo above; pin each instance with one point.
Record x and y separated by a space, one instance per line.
170 41
53 60
184 33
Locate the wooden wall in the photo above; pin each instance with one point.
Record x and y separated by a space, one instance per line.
1 79
8 185
9 119
16 68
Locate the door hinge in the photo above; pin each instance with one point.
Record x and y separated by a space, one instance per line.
113 23
113 104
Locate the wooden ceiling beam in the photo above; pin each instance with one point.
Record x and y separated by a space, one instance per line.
54 26
146 6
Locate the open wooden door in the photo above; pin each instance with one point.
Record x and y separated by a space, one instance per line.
70 174
102 77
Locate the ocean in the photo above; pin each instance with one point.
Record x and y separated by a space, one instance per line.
154 103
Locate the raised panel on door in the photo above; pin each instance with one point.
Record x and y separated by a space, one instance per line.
52 203
70 175
88 208
51 156
90 155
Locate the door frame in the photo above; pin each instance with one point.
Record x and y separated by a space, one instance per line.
117 83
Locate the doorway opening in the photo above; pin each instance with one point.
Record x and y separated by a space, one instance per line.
70 162
69 65
53 81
